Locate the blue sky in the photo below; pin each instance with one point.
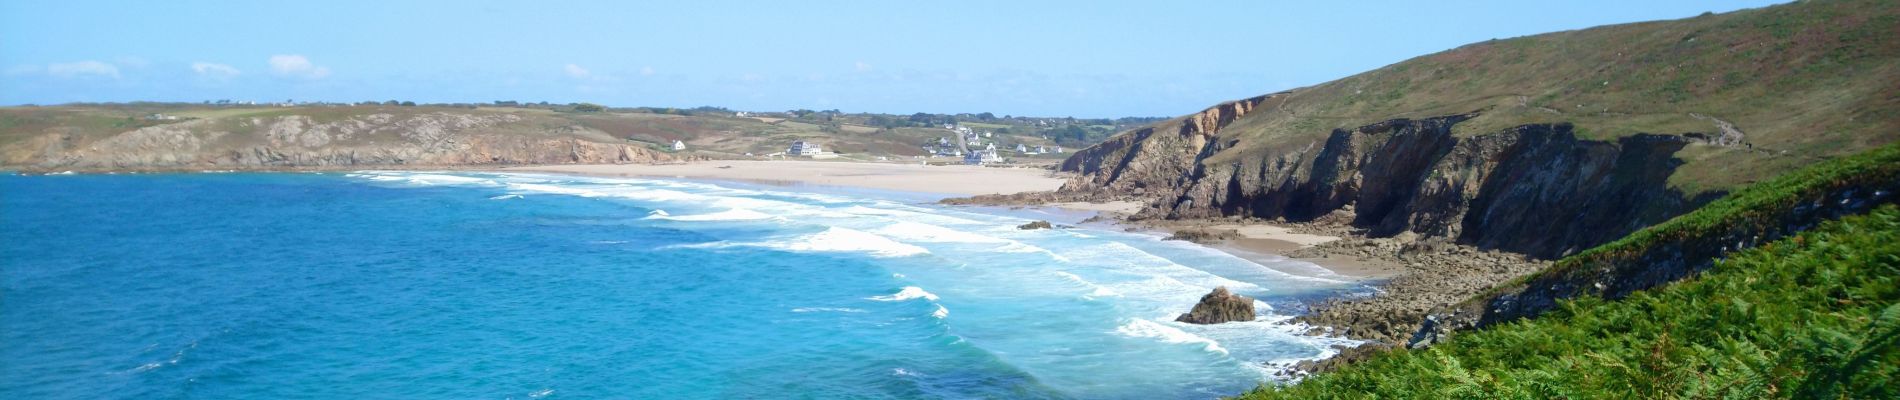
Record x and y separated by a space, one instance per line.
1042 58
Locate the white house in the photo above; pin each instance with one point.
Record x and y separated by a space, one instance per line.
678 145
981 157
1058 149
1020 148
802 148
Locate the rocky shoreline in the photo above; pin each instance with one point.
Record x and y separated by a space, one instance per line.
1416 274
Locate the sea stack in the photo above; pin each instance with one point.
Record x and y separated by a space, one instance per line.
1219 306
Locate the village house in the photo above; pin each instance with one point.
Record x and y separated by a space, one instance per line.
981 157
678 145
802 148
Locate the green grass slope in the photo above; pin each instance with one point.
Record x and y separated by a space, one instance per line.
1802 81
1813 316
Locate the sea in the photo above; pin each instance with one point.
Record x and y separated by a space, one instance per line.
480 285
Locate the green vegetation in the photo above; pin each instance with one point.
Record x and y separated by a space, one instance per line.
1804 81
1745 209
1813 316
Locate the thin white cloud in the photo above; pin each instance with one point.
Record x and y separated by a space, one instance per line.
575 71
862 66
82 68
297 66
215 70
647 71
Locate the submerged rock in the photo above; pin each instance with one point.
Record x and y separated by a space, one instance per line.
1035 225
1219 306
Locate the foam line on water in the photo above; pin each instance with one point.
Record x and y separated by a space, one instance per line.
1141 328
907 293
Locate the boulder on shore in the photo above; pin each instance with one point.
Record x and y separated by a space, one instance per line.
1219 306
1035 225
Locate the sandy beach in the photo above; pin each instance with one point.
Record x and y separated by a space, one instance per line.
951 180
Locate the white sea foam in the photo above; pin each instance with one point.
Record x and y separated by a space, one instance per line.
904 372
505 197
536 187
438 179
542 392
836 239
1141 328
909 292
941 312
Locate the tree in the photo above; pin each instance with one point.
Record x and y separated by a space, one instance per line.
408 104
589 107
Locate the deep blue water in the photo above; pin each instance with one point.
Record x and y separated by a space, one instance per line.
472 285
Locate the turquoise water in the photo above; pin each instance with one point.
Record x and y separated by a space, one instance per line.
480 285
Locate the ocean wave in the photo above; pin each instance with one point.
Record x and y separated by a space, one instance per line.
909 292
1095 291
505 197
1141 328
941 312
836 239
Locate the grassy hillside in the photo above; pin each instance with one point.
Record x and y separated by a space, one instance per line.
1799 82
708 134
1813 316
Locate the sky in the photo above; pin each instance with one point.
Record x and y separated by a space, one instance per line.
1038 58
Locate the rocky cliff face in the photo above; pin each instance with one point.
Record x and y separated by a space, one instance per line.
1533 189
1152 159
433 139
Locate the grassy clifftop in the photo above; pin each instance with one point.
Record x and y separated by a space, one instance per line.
1787 84
1813 316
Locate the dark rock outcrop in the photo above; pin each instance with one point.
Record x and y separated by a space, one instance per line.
1219 306
1036 225
1203 236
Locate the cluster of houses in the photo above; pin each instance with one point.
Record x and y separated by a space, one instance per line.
978 147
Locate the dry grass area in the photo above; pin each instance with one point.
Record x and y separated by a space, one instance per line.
1801 81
